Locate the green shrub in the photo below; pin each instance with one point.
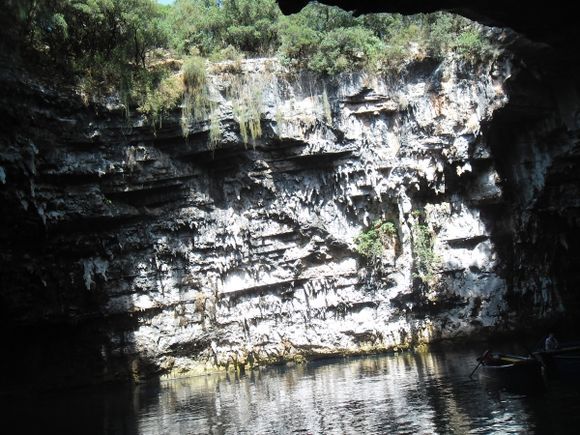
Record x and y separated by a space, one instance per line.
103 39
251 25
194 74
107 44
345 49
322 18
326 40
423 252
229 53
443 29
160 100
227 60
195 24
406 40
298 43
455 33
472 45
372 241
247 25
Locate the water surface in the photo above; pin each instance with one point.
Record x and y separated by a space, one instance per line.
427 393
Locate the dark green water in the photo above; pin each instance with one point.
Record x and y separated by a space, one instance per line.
404 394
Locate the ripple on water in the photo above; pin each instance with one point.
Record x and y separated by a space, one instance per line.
405 394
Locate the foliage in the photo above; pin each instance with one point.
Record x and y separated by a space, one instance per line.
229 53
323 18
194 23
454 33
104 42
472 46
329 40
107 45
227 60
251 25
372 241
246 95
194 74
345 50
161 99
215 133
322 38
406 41
196 104
209 26
244 92
423 252
442 33
298 43
120 31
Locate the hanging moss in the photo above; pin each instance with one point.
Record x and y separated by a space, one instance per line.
196 104
423 252
246 94
215 133
162 99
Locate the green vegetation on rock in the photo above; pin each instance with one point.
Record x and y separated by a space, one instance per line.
132 47
196 103
372 242
104 43
425 259
159 100
246 96
250 26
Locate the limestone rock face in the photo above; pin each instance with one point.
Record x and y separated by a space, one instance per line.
178 254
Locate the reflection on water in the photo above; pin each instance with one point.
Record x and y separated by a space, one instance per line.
414 394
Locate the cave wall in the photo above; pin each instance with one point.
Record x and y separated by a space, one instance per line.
534 141
172 255
129 250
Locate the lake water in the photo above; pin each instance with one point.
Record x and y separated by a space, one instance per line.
428 393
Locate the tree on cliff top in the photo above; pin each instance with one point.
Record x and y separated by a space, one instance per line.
210 25
98 37
106 43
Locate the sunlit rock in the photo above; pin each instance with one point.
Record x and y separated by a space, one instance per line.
197 254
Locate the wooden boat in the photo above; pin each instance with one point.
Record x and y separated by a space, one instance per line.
563 362
511 371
